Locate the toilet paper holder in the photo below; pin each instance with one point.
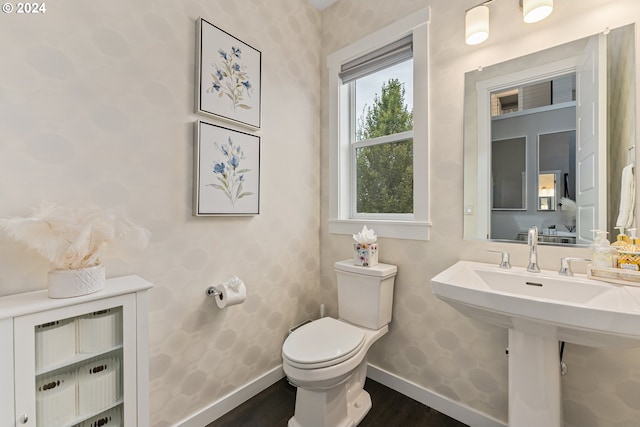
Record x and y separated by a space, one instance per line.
213 292
231 292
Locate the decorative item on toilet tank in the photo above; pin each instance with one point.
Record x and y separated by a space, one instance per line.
365 250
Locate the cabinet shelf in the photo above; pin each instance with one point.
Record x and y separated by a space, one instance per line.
85 417
80 357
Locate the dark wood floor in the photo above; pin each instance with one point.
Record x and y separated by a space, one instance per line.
274 406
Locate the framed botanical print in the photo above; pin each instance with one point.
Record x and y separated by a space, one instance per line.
226 171
228 80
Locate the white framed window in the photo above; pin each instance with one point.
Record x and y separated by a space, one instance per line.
378 132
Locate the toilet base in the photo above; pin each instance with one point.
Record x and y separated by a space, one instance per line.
343 405
356 411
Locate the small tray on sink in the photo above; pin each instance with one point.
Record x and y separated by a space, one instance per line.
614 275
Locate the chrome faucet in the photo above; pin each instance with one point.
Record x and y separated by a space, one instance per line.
532 241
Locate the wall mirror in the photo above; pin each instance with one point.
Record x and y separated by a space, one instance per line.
546 138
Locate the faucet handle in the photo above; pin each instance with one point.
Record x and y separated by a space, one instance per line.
504 263
565 265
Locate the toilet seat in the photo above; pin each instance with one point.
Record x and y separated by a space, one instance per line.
321 343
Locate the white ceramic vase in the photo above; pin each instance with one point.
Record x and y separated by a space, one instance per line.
74 283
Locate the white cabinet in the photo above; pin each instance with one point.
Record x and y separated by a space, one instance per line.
76 362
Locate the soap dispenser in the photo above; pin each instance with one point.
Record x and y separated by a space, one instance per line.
602 256
602 251
629 257
621 240
633 244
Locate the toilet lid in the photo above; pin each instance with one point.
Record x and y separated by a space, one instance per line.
324 342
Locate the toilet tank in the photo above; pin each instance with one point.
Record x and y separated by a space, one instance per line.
365 294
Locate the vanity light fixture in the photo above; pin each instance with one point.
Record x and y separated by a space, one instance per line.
535 10
476 21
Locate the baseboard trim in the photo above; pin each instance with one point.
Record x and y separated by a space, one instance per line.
456 410
440 403
232 400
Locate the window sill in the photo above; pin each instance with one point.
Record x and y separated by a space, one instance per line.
409 230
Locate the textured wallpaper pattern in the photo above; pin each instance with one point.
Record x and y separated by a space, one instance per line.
429 343
96 107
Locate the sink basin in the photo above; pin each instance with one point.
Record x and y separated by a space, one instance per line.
540 309
547 288
573 309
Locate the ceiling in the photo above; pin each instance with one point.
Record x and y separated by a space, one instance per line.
322 4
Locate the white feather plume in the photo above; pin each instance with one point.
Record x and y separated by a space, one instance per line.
73 238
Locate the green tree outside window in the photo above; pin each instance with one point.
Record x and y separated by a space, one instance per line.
385 171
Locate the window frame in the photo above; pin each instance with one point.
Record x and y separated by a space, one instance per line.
342 199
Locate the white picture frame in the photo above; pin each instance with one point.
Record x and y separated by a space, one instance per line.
226 171
228 77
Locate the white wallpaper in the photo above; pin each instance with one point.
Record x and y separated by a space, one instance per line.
96 106
429 343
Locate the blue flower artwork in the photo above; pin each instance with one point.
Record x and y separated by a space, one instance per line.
230 79
229 76
229 175
227 178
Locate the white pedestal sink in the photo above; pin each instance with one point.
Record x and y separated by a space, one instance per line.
541 309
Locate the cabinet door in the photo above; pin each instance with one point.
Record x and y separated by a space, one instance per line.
76 366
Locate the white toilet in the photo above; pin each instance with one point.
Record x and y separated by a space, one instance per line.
327 358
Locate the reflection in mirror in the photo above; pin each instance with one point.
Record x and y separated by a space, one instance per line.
557 175
542 147
509 173
547 190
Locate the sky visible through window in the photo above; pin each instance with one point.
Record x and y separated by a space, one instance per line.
367 87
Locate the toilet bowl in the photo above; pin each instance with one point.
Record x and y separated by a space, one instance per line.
327 358
327 361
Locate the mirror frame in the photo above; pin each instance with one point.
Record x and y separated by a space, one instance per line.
472 124
484 88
